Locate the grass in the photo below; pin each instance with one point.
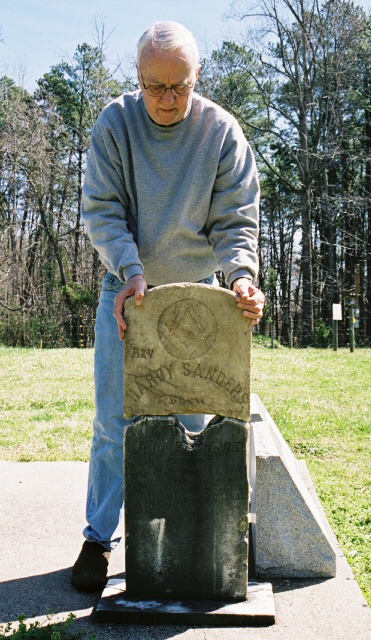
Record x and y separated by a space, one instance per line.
46 404
21 630
320 400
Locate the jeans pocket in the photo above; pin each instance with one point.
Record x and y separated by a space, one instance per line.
111 283
212 280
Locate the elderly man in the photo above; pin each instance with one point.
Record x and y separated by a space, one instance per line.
171 195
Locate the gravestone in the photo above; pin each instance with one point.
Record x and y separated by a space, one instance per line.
187 351
186 509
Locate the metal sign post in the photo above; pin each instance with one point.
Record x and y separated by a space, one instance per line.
336 316
352 304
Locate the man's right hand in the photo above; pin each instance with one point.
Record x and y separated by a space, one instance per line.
135 286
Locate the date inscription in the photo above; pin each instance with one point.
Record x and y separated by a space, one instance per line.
216 447
157 449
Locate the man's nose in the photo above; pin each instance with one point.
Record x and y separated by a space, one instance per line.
168 97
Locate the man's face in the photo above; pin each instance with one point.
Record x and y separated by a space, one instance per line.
166 68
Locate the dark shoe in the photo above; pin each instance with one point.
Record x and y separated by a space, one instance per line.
89 572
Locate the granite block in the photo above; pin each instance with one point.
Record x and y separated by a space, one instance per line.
290 538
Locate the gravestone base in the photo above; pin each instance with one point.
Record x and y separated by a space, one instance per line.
117 606
186 509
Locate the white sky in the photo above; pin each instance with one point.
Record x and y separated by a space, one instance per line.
38 33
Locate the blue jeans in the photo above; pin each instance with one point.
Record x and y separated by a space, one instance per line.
105 498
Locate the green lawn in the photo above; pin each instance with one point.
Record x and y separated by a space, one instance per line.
320 399
46 404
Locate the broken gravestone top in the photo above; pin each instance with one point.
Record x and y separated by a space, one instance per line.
187 350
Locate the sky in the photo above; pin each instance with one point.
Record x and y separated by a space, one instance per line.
40 33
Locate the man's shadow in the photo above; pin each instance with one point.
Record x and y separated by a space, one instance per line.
37 595
52 593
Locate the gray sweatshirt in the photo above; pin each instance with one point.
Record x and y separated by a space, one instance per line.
172 203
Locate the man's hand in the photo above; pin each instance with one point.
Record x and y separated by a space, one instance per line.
135 286
249 298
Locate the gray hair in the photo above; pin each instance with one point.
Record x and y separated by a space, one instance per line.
168 36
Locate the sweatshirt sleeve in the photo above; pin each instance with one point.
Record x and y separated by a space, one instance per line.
233 221
105 207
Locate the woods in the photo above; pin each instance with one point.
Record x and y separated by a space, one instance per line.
49 274
299 83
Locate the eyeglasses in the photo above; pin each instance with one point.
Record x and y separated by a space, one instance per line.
158 90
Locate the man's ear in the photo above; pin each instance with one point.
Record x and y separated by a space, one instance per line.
138 74
198 71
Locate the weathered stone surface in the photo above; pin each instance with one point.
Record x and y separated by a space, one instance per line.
186 507
187 351
289 535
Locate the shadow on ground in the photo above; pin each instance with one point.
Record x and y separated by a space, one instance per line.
36 596
292 584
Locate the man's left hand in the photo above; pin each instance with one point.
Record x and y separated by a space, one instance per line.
249 298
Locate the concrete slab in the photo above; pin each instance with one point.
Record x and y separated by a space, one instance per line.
42 516
116 605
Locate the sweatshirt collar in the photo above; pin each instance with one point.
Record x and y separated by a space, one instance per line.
166 128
